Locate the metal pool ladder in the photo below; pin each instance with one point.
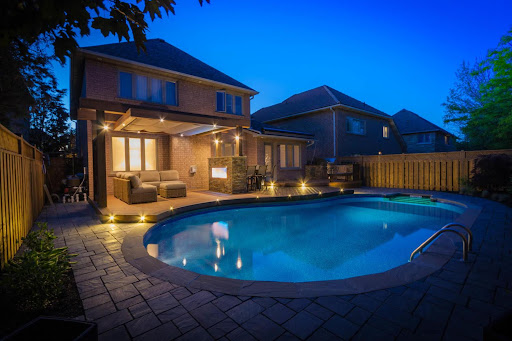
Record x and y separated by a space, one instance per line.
467 243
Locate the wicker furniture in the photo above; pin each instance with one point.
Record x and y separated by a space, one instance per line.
173 189
138 187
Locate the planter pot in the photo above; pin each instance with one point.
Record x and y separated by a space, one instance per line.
56 329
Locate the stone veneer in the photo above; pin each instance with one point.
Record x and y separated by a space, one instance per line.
236 174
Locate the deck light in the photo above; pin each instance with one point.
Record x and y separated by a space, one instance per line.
257 197
319 193
184 261
111 218
105 127
181 135
142 218
303 184
272 185
218 200
289 195
138 131
214 125
161 120
171 208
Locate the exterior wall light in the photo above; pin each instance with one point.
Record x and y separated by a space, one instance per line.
105 127
142 218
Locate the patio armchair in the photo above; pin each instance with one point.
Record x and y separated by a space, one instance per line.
260 175
251 174
269 177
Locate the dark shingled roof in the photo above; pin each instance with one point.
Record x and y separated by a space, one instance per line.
408 122
321 97
264 128
166 56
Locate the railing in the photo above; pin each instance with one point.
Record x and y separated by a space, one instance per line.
21 191
424 171
466 242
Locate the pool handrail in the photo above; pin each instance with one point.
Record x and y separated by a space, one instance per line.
470 234
435 235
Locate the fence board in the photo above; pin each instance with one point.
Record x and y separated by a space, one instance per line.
428 171
21 191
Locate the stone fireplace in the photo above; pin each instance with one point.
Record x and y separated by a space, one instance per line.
228 174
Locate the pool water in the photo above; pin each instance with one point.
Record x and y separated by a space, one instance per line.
329 239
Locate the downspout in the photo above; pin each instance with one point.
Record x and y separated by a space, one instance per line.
333 131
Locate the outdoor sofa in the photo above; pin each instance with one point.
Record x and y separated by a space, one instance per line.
139 187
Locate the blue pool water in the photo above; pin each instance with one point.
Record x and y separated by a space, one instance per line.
330 239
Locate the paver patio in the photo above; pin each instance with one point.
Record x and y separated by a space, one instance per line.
454 303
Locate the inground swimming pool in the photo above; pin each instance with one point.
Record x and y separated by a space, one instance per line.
299 242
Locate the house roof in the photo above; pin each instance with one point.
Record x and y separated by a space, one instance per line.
161 54
314 99
408 122
266 129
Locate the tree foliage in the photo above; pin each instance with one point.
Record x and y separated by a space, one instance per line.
28 87
481 100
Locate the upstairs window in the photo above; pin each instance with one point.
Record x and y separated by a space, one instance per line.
146 89
446 140
385 132
228 103
356 126
424 138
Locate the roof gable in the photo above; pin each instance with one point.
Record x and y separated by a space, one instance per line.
317 98
166 56
408 122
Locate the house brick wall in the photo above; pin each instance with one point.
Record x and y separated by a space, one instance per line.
102 83
187 151
436 145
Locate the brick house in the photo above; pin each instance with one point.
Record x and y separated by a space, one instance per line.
421 135
165 109
342 125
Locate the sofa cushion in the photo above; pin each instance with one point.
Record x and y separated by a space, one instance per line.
135 181
149 176
144 189
173 185
169 175
152 183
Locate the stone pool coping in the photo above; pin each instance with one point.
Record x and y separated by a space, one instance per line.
438 254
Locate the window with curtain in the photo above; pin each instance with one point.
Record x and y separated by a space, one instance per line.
125 85
147 89
229 103
135 153
356 126
289 156
385 132
156 90
221 101
150 159
118 154
170 93
141 87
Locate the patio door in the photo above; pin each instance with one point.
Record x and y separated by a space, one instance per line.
269 157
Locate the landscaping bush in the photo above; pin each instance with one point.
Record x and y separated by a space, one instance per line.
36 278
492 172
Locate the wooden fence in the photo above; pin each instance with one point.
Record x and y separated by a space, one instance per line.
427 171
21 191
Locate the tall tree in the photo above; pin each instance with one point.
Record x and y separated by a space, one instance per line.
480 102
28 88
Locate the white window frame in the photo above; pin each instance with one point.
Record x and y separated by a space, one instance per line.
285 145
385 131
127 153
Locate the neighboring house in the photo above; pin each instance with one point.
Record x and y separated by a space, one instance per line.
341 125
422 136
158 110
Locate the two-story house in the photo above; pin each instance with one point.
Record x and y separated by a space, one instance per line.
162 110
342 125
421 135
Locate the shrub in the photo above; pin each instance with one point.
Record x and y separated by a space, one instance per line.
37 277
492 172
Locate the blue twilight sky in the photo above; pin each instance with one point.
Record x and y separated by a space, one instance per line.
389 54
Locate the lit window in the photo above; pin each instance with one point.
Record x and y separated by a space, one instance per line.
221 101
150 154
229 103
424 138
238 105
125 85
135 153
356 126
289 156
118 154
385 132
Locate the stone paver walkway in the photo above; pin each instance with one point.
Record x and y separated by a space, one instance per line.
454 303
